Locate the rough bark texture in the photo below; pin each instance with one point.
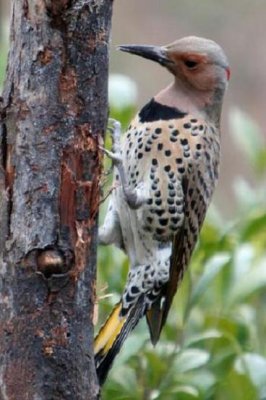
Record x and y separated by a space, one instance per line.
53 115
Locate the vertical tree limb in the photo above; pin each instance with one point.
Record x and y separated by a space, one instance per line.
53 115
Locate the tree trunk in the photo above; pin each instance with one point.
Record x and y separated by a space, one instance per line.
53 115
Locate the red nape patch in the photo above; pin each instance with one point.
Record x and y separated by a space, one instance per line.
228 73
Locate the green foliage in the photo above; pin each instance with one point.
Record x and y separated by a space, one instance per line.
3 57
213 345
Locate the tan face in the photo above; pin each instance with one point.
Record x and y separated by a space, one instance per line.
198 70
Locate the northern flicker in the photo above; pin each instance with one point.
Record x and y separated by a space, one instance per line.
166 169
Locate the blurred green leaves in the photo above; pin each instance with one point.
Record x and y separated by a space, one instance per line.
248 139
213 346
212 268
3 58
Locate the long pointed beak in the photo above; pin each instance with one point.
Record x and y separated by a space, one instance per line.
154 53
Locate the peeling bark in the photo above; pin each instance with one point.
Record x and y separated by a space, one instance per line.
53 115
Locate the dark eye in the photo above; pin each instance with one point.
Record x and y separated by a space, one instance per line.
191 64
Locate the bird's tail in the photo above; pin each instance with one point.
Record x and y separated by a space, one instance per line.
112 335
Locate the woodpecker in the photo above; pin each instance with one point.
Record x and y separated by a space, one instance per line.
165 172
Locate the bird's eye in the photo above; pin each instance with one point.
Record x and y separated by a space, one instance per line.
191 64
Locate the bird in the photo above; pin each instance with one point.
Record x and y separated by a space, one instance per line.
165 171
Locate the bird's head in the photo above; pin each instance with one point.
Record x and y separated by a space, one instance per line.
196 62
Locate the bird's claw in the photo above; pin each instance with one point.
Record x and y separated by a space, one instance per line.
116 125
115 131
116 158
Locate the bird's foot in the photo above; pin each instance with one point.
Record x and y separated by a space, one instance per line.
114 128
133 197
115 153
115 157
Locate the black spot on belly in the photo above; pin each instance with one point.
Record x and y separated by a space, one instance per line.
197 154
170 201
175 133
171 175
171 193
174 220
159 212
154 111
134 289
172 209
170 186
163 221
173 139
158 202
184 142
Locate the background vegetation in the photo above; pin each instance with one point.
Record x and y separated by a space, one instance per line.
213 346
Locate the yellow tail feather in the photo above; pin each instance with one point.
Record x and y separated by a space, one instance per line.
109 331
112 335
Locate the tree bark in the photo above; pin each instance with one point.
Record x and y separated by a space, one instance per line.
53 115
